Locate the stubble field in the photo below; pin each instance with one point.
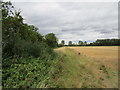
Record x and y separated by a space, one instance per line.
89 67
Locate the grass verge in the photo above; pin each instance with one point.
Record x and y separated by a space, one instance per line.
79 71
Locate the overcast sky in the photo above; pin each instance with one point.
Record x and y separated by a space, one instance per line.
73 21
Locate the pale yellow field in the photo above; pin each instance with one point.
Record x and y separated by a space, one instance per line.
90 66
105 54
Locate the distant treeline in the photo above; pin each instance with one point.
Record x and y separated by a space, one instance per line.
106 42
98 42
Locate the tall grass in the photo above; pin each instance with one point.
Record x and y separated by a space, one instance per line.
79 71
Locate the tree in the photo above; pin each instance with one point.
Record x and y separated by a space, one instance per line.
51 40
70 43
19 38
62 42
106 42
12 23
80 43
85 43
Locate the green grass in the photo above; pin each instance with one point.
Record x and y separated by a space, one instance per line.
75 72
79 71
65 70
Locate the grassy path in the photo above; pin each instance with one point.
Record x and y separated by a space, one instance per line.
79 71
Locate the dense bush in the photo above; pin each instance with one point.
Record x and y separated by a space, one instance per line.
25 48
23 40
30 72
27 55
51 40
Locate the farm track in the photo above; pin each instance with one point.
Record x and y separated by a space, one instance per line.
89 67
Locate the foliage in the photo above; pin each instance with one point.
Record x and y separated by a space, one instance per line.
98 42
107 42
25 73
51 40
63 42
22 39
70 43
60 45
80 43
27 56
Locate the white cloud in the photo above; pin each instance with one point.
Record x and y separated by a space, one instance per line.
64 0
73 21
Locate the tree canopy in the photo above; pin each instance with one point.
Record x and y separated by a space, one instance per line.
63 42
51 40
70 43
19 38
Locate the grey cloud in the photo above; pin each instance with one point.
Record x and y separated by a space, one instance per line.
105 32
70 30
73 21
